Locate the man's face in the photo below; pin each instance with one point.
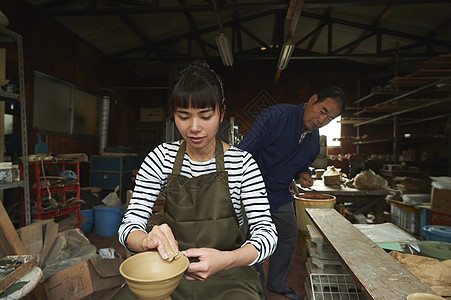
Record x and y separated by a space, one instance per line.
319 114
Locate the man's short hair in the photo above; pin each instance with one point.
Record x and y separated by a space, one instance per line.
335 93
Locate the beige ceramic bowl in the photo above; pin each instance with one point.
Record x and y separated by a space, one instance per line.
152 278
424 296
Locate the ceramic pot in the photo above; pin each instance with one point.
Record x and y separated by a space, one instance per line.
150 277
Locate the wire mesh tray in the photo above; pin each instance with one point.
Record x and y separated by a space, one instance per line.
334 286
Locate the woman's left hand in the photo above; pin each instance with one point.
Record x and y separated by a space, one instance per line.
210 262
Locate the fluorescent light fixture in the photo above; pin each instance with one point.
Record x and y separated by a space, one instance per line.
285 55
224 49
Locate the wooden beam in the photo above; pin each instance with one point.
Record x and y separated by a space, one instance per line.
293 14
378 274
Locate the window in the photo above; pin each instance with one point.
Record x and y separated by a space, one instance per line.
332 131
61 107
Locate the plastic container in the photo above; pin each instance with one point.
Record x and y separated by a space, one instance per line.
434 249
436 233
88 225
107 219
310 200
405 216
6 172
16 173
416 198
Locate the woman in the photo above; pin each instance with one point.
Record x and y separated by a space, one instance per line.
210 189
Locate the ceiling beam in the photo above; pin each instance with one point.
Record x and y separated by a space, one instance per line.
236 30
374 28
47 9
255 38
194 30
279 29
319 29
266 56
200 31
439 29
293 14
357 41
387 10
61 12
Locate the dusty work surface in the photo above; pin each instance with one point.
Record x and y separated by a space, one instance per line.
378 274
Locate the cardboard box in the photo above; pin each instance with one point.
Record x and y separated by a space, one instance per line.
151 115
437 218
81 280
441 200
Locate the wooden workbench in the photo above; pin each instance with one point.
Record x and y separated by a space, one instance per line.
378 274
374 200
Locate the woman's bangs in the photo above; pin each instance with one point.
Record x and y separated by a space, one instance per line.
203 98
181 100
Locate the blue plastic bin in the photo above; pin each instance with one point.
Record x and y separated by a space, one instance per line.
107 219
437 233
88 225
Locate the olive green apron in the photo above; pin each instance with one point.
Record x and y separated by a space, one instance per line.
201 215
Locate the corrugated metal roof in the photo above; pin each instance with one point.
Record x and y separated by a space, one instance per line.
149 32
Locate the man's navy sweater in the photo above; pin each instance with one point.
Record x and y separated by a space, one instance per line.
273 141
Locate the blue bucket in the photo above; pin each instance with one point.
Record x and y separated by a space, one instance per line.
107 220
437 233
88 225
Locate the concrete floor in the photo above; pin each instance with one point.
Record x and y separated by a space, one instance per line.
296 275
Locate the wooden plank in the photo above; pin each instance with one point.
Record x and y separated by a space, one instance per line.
10 242
31 237
51 233
379 275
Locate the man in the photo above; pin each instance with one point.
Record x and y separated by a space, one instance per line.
284 140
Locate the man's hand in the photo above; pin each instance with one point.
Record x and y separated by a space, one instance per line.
305 180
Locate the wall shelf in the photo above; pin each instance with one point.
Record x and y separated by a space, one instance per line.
372 141
6 37
420 97
12 185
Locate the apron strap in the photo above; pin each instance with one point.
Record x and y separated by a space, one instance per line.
179 159
219 156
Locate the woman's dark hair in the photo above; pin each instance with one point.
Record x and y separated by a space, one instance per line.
197 86
335 93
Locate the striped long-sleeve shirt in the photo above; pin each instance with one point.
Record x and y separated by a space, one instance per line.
247 190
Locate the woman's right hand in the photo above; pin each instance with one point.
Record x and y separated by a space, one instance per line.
159 237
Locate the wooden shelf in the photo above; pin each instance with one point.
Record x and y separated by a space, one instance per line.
372 141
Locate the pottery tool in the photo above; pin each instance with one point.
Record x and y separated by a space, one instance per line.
171 254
